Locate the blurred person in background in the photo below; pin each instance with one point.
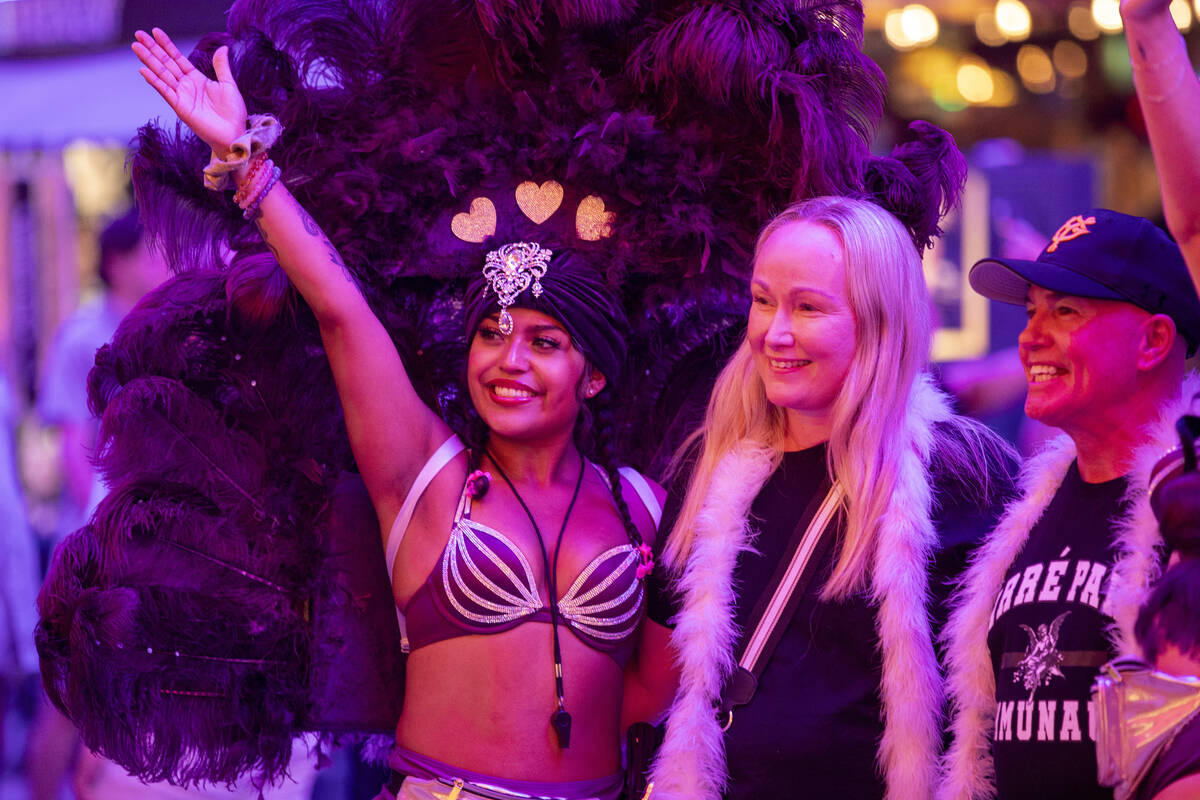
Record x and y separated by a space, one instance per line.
128 267
18 576
1169 95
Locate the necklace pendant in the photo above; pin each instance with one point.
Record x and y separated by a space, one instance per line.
561 722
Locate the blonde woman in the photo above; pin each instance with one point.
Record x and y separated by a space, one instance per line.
830 387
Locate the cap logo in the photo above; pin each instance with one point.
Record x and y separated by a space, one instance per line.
1073 228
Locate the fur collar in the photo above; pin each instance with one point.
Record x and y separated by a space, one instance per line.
967 770
691 762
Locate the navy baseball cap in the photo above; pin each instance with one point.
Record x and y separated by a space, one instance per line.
1106 255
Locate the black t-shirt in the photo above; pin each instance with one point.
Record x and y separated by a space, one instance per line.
814 724
1047 639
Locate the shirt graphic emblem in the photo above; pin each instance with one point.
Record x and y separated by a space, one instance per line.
1042 657
1073 228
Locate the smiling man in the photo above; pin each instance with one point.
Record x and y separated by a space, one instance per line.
1053 592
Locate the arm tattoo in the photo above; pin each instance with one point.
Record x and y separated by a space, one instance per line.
313 229
267 240
310 224
334 255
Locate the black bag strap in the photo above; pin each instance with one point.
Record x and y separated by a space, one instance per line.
776 606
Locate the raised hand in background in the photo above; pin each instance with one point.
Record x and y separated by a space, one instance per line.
1170 99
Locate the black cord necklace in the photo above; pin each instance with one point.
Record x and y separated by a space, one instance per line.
560 720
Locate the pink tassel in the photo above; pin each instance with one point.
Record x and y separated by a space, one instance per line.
478 483
647 565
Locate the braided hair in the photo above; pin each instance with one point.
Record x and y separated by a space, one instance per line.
599 442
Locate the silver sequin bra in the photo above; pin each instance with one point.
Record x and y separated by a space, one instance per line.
485 584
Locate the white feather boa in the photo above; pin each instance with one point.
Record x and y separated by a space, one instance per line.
691 762
967 770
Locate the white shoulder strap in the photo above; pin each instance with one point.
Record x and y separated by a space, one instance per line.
642 487
440 458
756 646
391 543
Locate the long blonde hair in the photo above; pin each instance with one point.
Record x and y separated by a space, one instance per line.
893 329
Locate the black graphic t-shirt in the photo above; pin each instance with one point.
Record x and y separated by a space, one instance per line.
1047 639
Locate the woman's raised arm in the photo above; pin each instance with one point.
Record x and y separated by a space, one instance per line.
392 431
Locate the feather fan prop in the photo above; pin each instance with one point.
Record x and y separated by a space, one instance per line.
222 436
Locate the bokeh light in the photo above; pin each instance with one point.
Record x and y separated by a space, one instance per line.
1035 68
988 32
1181 12
1107 14
1081 23
96 174
974 82
912 26
1013 20
1070 59
893 30
1114 62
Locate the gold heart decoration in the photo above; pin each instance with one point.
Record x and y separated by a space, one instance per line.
539 202
592 222
478 223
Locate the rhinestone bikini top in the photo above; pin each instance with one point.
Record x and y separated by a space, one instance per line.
484 584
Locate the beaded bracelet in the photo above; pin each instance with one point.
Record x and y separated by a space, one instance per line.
254 188
256 163
252 210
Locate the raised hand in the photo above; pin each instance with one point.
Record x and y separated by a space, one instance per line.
214 110
1137 10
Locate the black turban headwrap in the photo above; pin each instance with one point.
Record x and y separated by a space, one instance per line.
574 295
